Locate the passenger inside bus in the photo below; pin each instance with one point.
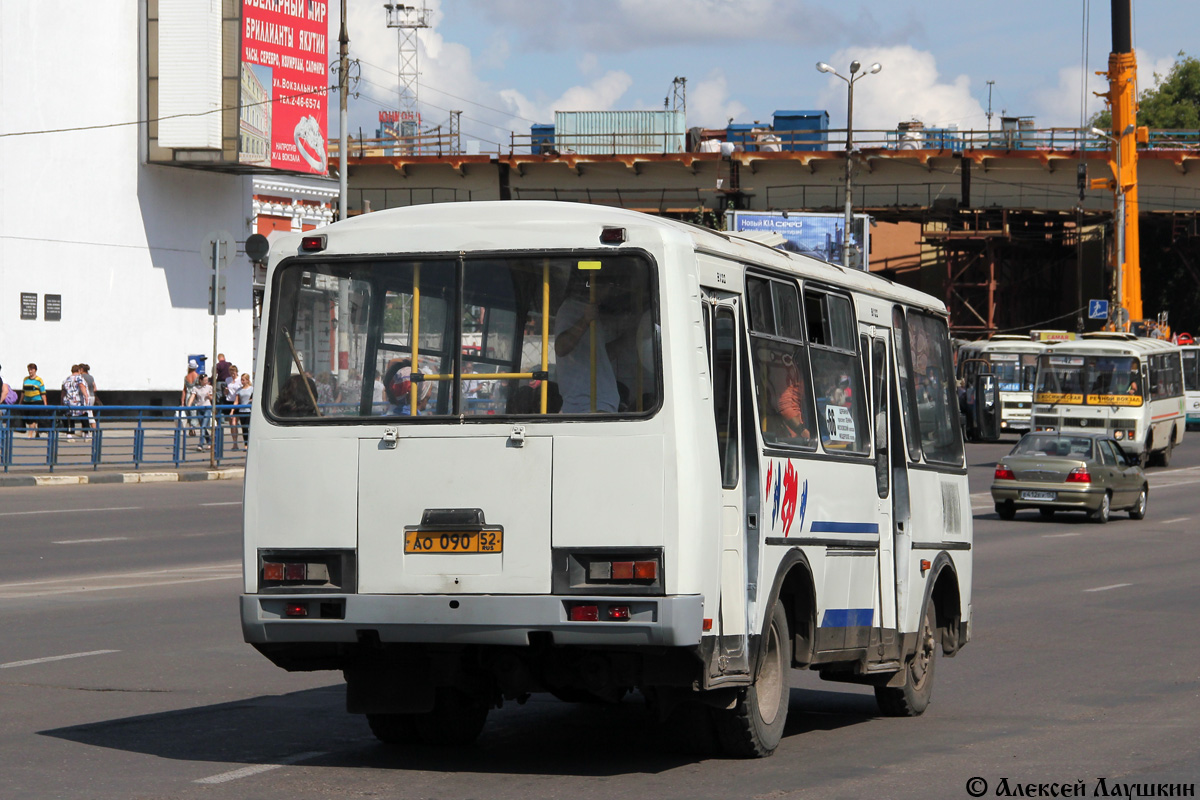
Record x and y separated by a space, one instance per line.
788 401
297 399
576 361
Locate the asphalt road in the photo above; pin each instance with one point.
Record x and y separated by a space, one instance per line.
123 674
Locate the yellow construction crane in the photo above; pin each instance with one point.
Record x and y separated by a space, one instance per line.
1121 98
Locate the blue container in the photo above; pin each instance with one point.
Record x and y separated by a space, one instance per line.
803 129
541 138
200 360
743 134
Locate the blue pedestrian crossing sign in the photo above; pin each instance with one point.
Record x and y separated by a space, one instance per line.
1097 309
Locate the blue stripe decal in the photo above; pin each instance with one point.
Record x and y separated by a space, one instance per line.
845 527
847 618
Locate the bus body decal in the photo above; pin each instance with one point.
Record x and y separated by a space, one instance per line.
782 496
845 527
847 618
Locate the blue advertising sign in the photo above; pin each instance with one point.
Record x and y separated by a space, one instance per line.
816 235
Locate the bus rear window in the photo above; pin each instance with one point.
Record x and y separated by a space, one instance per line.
471 338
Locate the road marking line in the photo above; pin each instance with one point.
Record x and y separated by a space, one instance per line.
48 659
231 503
89 541
1177 519
246 772
1058 535
1106 588
67 511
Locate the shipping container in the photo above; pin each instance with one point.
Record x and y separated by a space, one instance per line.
620 132
803 130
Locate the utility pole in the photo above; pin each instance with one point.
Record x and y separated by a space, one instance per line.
990 84
343 315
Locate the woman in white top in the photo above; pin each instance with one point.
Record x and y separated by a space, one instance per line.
201 398
244 394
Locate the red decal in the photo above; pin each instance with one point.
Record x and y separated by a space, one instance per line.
789 480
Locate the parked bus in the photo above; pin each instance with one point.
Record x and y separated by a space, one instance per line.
1130 387
1013 359
703 462
1191 383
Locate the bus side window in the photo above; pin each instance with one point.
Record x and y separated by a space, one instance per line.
837 372
724 340
780 363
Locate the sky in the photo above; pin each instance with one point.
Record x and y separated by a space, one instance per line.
507 64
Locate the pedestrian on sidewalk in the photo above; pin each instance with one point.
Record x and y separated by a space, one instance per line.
244 396
8 396
74 392
201 400
185 397
229 399
33 393
85 372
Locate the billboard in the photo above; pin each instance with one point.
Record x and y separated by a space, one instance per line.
817 235
284 85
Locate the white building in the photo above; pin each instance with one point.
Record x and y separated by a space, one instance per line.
100 247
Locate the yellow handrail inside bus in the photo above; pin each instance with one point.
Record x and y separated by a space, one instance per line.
545 387
416 332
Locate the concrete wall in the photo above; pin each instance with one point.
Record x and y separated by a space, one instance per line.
82 216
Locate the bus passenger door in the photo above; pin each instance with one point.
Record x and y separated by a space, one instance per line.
883 446
726 355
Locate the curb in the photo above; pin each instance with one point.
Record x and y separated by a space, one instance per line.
233 473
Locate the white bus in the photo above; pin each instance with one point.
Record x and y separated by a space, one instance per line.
1191 383
1130 387
1013 359
702 462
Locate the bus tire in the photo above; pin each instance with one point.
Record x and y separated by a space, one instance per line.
911 699
1164 458
753 727
1101 514
1139 508
456 719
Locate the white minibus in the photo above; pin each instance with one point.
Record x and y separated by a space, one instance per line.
1191 383
1013 359
1128 386
699 463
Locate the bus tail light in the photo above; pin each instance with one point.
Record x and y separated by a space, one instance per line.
326 570
296 610
618 612
608 571
1003 473
1079 475
585 613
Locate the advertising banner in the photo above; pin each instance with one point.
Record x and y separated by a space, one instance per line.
284 85
817 235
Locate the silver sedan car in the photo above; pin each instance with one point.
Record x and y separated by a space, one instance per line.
1069 472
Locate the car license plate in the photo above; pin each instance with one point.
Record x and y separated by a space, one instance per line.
1039 495
444 542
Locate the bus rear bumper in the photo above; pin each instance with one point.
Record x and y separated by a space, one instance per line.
672 621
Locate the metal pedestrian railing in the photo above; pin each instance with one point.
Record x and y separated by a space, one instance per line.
56 437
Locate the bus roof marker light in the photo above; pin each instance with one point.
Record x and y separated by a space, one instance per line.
313 244
612 236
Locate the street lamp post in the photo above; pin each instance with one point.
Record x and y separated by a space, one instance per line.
854 76
1117 317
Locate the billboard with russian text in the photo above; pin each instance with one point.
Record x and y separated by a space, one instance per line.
819 235
283 122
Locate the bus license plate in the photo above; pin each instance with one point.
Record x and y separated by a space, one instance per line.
443 542
1039 495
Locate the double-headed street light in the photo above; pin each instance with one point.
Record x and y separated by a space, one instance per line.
855 66
1117 316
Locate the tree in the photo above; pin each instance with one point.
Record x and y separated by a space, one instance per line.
1174 102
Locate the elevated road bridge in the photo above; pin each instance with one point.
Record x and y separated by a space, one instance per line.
994 222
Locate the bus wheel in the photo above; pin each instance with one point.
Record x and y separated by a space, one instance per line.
456 719
1164 458
1139 508
753 727
911 699
1102 513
